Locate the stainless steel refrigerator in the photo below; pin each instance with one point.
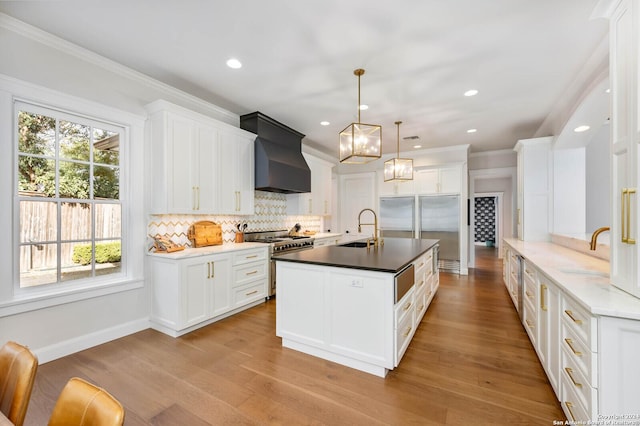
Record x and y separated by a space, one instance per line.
440 219
398 217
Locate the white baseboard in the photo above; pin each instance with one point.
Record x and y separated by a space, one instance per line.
68 347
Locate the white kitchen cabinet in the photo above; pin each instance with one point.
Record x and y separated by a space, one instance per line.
318 201
405 187
619 348
438 180
533 188
625 130
182 153
198 164
190 292
549 330
235 176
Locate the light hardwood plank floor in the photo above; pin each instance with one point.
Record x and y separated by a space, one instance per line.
470 363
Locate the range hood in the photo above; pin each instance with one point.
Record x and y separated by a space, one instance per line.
279 164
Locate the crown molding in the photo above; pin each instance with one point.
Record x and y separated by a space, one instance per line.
36 34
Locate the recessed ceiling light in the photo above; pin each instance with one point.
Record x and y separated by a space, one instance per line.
417 146
363 107
582 128
234 63
324 123
471 92
472 130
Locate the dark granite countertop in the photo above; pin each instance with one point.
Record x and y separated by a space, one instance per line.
392 256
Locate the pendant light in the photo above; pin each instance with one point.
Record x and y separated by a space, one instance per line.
359 142
398 169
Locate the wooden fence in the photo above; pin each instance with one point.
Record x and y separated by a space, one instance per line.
38 225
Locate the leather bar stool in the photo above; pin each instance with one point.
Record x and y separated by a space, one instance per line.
18 366
83 404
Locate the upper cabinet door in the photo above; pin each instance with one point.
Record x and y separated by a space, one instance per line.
236 172
625 122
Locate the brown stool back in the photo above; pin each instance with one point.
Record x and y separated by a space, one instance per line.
18 366
83 404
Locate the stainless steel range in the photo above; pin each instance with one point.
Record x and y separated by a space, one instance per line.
280 242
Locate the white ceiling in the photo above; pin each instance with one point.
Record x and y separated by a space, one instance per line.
298 57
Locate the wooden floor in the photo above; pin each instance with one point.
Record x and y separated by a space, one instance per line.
470 363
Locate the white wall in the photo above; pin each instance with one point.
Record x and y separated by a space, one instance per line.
598 168
569 191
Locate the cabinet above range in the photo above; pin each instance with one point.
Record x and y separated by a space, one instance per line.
198 164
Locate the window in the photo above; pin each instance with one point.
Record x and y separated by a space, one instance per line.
68 195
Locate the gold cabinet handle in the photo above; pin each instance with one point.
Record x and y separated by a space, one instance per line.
529 324
543 302
213 269
251 273
407 332
421 308
623 198
251 292
570 373
529 295
251 257
421 283
570 314
406 308
569 405
208 270
195 197
198 198
629 239
570 343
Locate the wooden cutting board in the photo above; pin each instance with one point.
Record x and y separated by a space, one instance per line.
205 233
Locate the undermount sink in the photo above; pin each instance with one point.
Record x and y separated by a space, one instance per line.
578 271
354 244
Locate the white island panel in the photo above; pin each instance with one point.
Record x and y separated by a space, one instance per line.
358 324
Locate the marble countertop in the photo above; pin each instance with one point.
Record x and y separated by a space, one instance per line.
204 251
392 256
583 277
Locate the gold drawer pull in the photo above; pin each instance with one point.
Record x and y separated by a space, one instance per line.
407 332
251 257
251 292
569 405
421 308
529 324
543 303
577 321
529 295
406 308
421 283
570 343
251 273
570 373
420 265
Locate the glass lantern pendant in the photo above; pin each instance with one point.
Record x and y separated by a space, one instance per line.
398 169
359 142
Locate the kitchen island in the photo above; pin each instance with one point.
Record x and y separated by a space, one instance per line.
356 306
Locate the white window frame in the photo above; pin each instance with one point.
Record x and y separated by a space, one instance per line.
82 282
13 299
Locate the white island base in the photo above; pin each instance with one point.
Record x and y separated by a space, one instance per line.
348 315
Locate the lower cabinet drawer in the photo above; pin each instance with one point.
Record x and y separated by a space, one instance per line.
530 322
420 301
404 307
574 410
404 332
573 378
249 293
249 272
579 353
